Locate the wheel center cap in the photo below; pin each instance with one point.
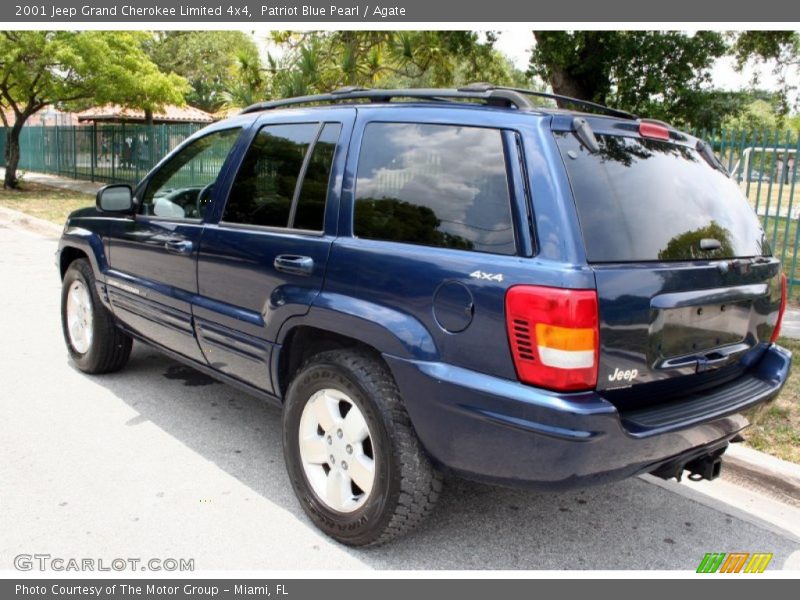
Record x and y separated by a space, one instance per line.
338 451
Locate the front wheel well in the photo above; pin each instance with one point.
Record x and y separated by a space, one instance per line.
69 255
303 342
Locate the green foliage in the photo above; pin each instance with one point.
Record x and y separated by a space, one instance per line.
394 219
765 45
779 48
222 67
721 108
80 68
323 61
660 74
755 116
687 245
74 69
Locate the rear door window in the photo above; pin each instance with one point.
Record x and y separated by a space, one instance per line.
434 185
284 177
651 200
264 188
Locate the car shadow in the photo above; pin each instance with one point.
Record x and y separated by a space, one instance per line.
628 525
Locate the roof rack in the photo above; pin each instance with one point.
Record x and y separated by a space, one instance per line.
614 112
492 95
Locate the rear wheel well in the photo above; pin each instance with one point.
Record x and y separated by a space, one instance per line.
68 256
304 342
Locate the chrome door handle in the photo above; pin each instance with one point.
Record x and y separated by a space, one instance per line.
294 264
179 246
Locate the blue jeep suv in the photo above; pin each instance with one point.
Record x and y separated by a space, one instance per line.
433 281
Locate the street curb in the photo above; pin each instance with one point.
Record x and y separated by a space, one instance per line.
763 470
9 216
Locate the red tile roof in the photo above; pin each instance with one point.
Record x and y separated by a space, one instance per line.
47 116
169 114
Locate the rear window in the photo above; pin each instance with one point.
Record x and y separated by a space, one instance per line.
650 200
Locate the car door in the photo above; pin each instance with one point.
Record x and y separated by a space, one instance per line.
264 260
152 257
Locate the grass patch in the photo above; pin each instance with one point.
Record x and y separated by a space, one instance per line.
49 203
778 432
780 198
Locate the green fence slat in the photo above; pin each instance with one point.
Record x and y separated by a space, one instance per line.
723 144
784 157
772 162
742 145
760 171
790 219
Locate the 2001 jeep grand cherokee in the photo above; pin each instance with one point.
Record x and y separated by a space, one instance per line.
459 280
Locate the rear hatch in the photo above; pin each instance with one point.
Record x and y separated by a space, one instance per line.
688 293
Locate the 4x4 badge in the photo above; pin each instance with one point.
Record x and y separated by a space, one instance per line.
486 276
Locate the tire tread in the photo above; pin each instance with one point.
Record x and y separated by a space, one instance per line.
111 347
420 482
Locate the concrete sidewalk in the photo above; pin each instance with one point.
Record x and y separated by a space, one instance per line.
84 187
791 320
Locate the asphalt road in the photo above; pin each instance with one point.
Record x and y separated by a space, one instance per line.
159 461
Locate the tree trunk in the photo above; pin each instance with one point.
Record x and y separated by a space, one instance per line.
584 75
10 181
565 84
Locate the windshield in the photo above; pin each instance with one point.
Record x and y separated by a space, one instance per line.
651 200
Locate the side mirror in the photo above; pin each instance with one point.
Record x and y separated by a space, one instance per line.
116 198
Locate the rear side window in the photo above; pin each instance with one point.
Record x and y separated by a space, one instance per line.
279 184
434 185
650 200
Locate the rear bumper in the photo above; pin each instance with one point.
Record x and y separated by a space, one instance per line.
504 432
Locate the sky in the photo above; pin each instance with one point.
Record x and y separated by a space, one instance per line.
516 44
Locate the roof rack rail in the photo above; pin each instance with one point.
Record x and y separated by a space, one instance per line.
495 97
614 112
491 94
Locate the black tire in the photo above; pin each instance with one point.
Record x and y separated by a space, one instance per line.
406 486
110 347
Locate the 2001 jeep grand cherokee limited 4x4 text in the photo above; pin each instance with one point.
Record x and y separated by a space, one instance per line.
431 280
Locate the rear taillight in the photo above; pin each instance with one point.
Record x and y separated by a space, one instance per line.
554 336
653 130
777 331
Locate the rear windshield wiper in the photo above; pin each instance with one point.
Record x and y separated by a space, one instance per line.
584 133
704 149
